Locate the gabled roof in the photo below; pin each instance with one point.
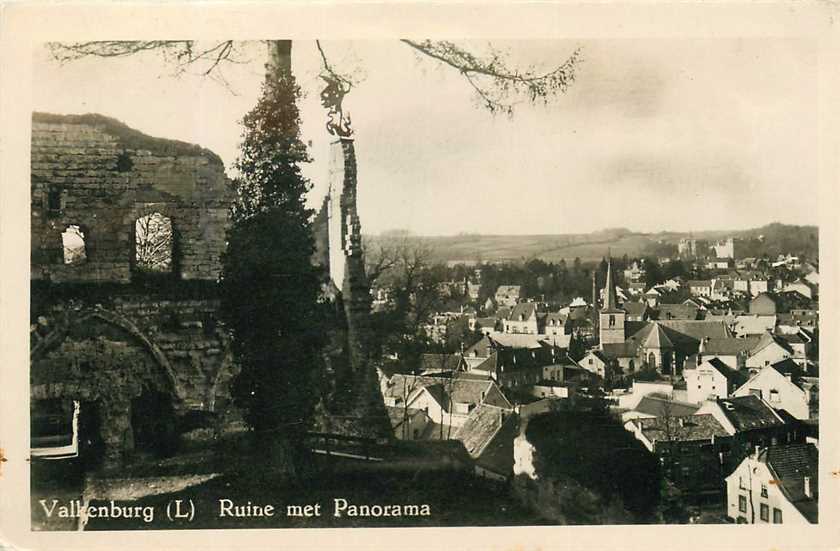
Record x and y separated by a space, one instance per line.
790 464
729 346
488 435
749 412
790 370
458 389
518 340
480 427
480 349
767 339
600 355
658 407
523 310
635 308
554 319
657 338
734 376
489 365
677 312
754 324
681 428
787 367
441 362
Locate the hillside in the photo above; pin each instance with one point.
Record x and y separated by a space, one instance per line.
596 245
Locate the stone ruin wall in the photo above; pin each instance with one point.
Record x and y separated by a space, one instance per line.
108 175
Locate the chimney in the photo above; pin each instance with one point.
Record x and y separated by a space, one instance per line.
808 486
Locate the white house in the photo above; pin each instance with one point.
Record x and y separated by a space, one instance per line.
595 361
522 319
446 401
702 288
784 386
775 485
754 324
712 379
800 287
769 350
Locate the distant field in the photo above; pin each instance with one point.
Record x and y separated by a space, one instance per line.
546 247
489 248
588 247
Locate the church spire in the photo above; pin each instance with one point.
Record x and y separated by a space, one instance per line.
610 302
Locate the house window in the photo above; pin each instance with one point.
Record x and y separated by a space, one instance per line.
742 504
612 320
764 512
774 396
73 243
764 490
153 243
741 483
777 516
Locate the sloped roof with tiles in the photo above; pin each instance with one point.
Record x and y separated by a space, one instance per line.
681 428
488 435
749 412
658 407
790 464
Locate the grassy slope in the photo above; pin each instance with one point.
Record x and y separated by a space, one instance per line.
588 247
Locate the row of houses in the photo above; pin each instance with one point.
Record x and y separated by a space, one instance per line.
758 457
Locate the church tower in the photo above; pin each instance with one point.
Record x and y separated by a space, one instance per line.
611 318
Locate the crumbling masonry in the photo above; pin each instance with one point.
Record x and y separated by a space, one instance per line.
104 331
108 332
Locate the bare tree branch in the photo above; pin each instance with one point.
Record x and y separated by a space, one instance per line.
494 82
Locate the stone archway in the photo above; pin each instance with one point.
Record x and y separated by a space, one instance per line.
103 360
58 334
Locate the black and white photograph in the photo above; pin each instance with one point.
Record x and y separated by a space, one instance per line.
456 282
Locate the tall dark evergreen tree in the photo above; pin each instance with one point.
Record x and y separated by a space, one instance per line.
270 289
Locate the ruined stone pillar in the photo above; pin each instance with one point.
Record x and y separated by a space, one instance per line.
347 269
279 57
117 433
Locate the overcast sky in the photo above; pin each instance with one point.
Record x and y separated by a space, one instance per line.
654 135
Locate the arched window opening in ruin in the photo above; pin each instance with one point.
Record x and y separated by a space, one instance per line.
73 242
153 243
